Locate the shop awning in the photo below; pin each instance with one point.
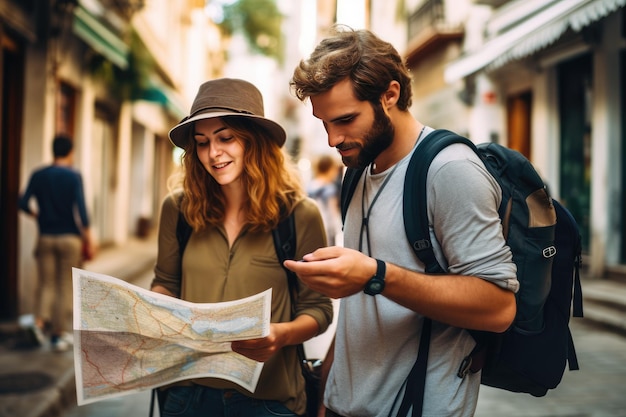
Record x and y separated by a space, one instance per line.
159 93
531 35
100 38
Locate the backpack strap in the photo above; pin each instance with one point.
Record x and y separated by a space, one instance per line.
415 205
577 292
577 297
350 180
284 236
285 244
416 381
183 229
577 311
415 212
183 233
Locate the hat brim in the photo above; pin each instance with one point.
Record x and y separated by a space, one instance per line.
179 135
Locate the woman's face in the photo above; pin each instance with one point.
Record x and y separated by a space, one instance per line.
219 151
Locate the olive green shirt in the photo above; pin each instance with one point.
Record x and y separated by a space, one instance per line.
212 272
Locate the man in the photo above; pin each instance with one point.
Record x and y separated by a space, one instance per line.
324 189
361 91
62 242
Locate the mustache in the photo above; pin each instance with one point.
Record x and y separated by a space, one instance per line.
344 146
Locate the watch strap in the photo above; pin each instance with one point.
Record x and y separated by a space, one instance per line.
376 284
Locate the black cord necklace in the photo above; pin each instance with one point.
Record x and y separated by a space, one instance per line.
365 218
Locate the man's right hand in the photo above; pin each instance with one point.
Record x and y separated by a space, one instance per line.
334 271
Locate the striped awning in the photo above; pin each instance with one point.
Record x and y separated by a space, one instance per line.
531 35
100 38
158 92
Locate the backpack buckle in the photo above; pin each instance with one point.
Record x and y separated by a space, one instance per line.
422 244
464 368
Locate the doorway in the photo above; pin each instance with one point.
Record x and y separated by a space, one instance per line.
11 104
104 176
519 123
575 100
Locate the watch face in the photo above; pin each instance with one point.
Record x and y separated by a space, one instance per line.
376 287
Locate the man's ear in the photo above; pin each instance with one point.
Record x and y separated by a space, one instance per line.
391 95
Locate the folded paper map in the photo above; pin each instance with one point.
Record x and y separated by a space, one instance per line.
128 339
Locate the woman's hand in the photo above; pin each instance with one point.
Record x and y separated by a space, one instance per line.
162 290
293 332
262 349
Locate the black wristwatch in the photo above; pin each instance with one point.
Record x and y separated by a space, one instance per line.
376 284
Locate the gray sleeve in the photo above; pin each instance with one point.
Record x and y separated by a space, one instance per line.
463 216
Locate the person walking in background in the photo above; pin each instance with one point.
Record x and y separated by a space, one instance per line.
324 188
236 188
360 89
64 238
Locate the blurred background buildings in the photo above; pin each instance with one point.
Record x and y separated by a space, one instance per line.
545 77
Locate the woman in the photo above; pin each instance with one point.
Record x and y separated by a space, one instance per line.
236 188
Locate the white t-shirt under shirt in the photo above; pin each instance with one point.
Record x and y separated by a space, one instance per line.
377 339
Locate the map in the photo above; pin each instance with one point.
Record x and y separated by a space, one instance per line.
128 339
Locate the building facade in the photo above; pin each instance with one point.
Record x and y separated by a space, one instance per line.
545 78
113 74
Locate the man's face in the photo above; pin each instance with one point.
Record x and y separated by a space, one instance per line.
358 130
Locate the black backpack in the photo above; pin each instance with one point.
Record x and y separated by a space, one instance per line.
531 356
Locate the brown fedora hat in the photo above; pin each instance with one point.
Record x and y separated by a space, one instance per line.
226 97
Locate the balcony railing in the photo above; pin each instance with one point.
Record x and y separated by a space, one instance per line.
429 29
430 14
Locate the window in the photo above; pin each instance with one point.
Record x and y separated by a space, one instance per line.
66 109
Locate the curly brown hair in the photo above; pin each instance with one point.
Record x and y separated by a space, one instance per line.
272 182
369 62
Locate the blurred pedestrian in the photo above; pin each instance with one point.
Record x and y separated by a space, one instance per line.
360 89
237 187
64 238
324 189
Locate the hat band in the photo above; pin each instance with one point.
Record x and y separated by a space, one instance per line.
219 109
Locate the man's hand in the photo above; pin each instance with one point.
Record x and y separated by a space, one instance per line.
334 271
457 300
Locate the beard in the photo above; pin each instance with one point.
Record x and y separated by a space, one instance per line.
374 142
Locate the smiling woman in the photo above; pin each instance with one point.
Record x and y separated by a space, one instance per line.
237 187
